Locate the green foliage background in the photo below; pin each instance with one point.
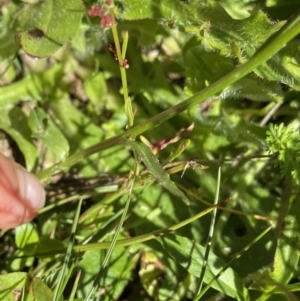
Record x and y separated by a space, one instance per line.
61 94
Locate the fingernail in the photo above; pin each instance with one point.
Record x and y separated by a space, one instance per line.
31 190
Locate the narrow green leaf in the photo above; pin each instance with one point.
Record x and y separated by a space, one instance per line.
66 269
210 237
48 25
145 154
112 246
190 255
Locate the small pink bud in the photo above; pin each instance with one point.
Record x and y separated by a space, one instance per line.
125 64
106 21
96 11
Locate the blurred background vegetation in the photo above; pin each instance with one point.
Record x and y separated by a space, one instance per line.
61 92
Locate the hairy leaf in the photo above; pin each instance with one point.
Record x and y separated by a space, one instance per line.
46 26
145 154
221 33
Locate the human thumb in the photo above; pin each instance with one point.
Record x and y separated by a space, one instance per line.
21 194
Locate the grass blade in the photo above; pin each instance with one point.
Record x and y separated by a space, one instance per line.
112 245
237 256
210 235
64 271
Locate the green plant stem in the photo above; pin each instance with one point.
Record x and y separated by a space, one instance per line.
121 60
265 52
116 35
129 241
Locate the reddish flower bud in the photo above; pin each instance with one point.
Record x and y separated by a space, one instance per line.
96 11
125 64
106 21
